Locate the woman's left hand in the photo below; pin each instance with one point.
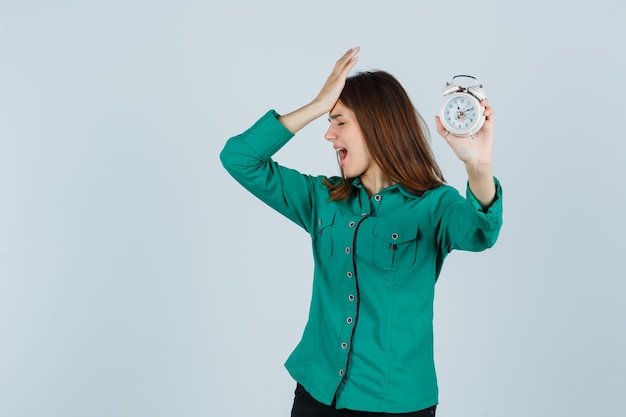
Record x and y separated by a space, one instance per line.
477 151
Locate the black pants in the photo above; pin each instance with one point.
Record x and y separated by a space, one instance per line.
306 406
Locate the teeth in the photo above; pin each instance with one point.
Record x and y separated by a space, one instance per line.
339 155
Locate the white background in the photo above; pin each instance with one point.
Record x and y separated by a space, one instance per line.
138 279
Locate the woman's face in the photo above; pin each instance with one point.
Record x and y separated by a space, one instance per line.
345 135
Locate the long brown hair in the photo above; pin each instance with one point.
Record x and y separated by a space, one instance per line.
394 133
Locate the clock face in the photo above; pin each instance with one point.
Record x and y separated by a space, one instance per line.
462 114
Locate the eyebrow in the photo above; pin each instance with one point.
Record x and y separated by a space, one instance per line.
334 116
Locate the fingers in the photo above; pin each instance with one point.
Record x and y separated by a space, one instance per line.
350 53
347 61
440 129
488 110
330 92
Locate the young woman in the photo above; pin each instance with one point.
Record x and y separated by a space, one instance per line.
380 235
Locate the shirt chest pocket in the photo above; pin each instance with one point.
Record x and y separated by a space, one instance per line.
395 244
323 233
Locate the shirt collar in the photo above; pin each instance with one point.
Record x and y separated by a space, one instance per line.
356 182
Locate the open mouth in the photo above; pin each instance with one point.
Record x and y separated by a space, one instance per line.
341 155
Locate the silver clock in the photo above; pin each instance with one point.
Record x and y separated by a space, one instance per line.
461 113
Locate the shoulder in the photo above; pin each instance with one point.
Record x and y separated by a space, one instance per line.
331 180
321 185
444 192
439 200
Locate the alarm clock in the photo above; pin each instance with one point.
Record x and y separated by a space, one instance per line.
461 113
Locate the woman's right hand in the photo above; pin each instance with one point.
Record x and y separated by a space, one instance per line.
330 92
327 97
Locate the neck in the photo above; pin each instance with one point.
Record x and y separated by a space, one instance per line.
374 182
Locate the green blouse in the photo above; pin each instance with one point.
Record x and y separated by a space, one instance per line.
368 342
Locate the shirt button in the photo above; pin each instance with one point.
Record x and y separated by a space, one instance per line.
351 224
348 250
344 345
349 274
341 372
377 197
394 236
351 297
349 320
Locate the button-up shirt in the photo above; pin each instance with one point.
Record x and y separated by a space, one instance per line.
368 342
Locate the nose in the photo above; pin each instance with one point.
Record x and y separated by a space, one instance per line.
330 135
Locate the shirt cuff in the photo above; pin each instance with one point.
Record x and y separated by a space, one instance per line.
495 208
267 135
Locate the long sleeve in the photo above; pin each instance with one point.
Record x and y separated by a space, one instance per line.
248 158
464 225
